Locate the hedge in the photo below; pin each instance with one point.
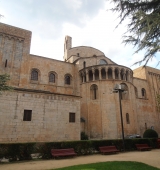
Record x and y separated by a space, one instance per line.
23 151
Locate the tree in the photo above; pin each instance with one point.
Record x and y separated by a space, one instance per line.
3 83
143 29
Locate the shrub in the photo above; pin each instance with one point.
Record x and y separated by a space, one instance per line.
84 136
150 133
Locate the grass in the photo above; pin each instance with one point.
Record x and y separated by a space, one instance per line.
115 165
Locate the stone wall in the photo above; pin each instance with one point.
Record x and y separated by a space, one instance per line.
45 66
145 106
50 117
14 49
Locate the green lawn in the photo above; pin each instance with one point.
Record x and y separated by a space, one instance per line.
115 165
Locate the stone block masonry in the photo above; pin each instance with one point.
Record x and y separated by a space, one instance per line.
49 120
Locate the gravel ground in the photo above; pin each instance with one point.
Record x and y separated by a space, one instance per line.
148 157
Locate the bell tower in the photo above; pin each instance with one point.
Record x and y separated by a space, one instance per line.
67 46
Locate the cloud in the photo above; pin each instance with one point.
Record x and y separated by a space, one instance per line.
49 16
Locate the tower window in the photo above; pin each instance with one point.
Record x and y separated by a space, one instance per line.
72 117
94 92
143 93
68 79
84 64
27 115
6 63
127 118
52 78
34 75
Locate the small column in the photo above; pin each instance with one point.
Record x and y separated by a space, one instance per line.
130 77
124 76
81 77
119 75
106 73
87 76
127 76
93 72
100 76
113 73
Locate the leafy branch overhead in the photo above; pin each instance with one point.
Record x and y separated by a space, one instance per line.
3 83
143 30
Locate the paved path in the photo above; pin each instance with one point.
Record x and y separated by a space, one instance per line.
148 157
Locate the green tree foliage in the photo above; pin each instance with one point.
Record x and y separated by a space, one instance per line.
150 133
144 25
3 83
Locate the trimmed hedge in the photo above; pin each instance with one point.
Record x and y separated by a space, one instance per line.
23 151
18 151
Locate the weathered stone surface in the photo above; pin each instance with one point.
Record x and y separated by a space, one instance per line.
51 102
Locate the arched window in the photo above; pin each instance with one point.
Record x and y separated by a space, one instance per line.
6 63
84 64
94 92
83 77
109 73
103 73
96 74
34 75
67 79
101 62
122 74
127 118
90 75
52 78
125 93
116 74
127 74
136 92
143 93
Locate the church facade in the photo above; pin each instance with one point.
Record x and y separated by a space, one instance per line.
57 100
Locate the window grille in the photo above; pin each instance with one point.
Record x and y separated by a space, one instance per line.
34 75
52 78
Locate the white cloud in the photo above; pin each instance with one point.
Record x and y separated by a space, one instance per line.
73 4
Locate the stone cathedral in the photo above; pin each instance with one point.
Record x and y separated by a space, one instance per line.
57 100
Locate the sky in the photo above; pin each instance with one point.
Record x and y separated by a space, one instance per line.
88 22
